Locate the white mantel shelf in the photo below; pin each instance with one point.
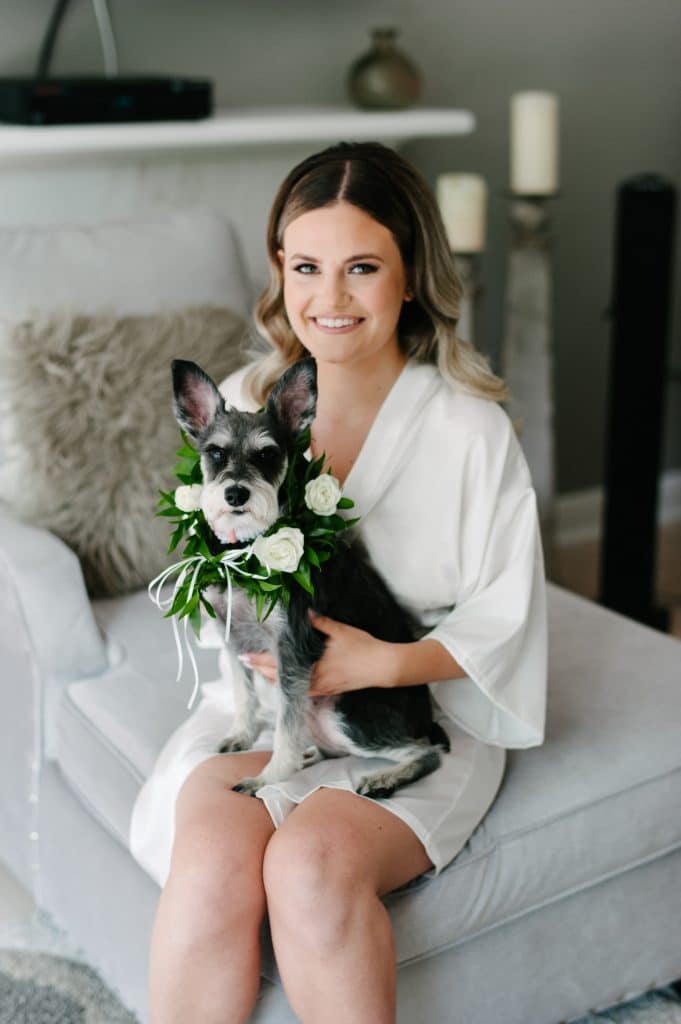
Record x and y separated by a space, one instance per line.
231 128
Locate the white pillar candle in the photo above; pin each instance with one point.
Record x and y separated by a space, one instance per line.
462 199
534 143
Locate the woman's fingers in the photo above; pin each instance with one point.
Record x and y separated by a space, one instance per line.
322 622
265 664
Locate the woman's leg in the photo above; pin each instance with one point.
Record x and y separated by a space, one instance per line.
324 871
205 948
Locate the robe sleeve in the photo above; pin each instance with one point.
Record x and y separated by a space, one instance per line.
497 631
231 390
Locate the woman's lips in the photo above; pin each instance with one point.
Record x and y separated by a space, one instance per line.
327 329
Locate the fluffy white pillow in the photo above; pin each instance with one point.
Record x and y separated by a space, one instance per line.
91 436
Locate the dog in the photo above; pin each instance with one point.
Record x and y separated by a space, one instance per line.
244 461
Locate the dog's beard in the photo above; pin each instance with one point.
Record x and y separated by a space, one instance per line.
236 526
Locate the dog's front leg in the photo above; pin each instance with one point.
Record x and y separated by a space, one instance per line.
291 745
247 723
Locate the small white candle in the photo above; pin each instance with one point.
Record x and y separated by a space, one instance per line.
534 143
462 199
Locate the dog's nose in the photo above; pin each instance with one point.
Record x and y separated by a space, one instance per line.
236 495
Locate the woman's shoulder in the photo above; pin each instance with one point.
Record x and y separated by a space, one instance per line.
233 391
472 414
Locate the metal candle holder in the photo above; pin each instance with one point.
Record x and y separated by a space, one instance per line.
469 272
527 350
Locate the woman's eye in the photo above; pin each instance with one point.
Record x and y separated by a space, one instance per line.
364 268
302 268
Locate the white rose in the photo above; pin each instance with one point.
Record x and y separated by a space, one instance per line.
323 494
188 497
281 551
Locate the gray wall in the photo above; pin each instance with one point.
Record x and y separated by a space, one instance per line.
614 64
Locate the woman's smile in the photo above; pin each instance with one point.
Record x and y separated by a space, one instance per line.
338 324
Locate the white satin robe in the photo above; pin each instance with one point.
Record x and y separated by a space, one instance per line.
449 516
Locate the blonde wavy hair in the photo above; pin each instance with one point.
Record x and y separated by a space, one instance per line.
378 181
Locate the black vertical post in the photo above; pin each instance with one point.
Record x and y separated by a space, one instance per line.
636 401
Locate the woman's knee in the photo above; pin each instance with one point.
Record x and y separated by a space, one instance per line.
313 882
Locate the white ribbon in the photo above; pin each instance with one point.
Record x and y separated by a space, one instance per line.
194 564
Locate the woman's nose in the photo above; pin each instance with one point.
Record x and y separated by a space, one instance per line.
335 291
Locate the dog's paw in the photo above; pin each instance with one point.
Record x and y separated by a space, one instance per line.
248 787
233 744
311 755
378 787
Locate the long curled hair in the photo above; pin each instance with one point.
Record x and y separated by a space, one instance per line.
378 181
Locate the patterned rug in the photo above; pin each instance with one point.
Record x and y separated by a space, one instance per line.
660 1007
40 988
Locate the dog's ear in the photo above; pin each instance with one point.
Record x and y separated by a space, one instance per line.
293 399
197 401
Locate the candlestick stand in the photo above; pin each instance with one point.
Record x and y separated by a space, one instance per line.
468 269
526 356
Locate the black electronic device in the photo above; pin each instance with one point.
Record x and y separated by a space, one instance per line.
104 100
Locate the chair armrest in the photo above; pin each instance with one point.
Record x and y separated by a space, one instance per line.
42 577
48 633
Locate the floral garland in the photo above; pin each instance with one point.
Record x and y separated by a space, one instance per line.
274 563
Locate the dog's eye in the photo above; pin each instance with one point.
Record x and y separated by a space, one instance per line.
216 455
265 456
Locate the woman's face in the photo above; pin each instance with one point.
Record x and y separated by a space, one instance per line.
344 284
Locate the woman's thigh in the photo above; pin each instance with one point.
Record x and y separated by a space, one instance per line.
211 818
360 836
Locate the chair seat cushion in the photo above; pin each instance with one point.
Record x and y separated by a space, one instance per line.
601 796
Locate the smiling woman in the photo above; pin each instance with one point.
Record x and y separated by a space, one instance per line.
389 225
361 279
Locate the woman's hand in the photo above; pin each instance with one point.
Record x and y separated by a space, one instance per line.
352 660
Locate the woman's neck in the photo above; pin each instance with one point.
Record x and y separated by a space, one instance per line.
355 389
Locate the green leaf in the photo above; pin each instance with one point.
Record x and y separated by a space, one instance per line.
195 619
304 579
346 503
176 538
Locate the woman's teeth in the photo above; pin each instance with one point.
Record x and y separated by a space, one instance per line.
338 322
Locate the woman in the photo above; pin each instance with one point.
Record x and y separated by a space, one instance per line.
408 416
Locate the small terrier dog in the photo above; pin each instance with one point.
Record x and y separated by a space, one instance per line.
244 460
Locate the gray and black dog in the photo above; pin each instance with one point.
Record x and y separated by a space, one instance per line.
244 460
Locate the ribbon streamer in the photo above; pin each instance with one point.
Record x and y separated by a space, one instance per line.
226 565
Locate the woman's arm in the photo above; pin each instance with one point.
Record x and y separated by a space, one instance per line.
354 660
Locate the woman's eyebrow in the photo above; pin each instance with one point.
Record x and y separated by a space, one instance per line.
350 259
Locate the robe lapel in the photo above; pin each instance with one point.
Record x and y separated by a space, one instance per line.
392 434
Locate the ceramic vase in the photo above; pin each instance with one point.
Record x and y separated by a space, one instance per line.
384 78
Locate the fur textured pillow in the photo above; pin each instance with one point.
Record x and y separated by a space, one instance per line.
91 435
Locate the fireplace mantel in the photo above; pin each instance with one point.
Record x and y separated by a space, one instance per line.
229 129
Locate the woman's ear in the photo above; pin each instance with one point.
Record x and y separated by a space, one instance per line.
280 256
